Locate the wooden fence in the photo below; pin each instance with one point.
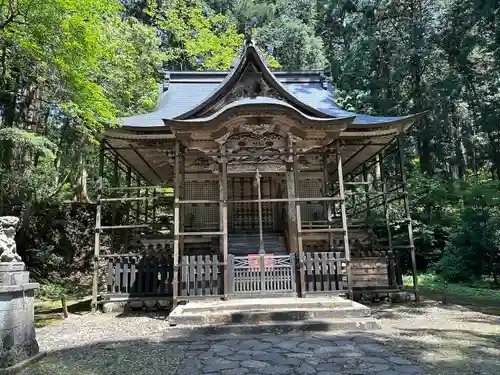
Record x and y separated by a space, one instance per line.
325 272
201 276
140 275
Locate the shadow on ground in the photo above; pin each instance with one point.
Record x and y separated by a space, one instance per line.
438 351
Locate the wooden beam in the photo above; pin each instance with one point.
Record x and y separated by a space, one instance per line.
408 218
97 236
344 218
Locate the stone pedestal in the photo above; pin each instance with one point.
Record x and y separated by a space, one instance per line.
17 318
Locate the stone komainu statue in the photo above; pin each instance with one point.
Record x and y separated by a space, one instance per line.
8 226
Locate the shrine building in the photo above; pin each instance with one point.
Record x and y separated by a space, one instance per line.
252 183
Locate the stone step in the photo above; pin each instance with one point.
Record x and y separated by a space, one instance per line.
255 317
316 325
251 304
269 311
244 244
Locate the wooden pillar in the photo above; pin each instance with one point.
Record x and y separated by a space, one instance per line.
298 218
97 238
328 204
344 218
223 217
291 209
408 217
177 180
383 176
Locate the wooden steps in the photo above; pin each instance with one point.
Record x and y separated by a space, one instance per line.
242 244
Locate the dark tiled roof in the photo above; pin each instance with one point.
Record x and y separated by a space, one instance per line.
186 90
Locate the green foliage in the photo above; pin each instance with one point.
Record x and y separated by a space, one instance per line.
480 291
193 38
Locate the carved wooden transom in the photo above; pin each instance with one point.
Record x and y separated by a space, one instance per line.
250 85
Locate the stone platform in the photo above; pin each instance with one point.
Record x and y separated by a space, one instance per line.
17 326
267 314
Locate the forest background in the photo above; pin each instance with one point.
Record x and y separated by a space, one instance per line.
68 67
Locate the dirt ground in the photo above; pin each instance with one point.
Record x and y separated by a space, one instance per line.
445 339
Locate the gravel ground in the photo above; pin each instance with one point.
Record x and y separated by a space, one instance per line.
427 338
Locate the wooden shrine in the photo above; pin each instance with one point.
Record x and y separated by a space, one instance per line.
249 183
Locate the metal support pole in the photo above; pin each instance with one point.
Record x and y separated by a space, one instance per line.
175 278
146 206
114 205
138 204
408 218
154 207
259 206
182 195
367 195
97 239
224 220
127 205
383 175
344 218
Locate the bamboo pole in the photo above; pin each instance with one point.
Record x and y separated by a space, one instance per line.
408 218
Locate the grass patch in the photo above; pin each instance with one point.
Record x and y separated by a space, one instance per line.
42 322
476 291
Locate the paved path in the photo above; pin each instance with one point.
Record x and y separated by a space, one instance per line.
438 340
294 354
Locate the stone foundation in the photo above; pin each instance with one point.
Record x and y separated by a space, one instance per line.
17 322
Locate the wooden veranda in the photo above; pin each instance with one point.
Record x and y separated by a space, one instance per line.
252 191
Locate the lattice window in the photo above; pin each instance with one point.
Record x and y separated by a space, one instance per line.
311 188
244 216
201 216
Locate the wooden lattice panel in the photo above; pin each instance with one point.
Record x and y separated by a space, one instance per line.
311 188
201 216
245 216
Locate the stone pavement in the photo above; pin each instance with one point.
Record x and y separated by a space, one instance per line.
293 354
